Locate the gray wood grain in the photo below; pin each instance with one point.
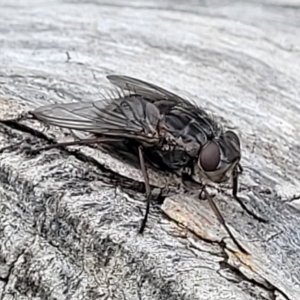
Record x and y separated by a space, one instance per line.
69 218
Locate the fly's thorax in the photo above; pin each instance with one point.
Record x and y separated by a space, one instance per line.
219 157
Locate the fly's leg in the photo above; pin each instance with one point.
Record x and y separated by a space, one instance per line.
112 139
241 170
221 219
11 147
235 178
188 179
80 142
147 187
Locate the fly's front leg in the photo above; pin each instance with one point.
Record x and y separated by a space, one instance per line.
235 178
241 170
147 187
189 181
221 219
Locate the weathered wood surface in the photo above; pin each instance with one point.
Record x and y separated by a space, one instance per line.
69 220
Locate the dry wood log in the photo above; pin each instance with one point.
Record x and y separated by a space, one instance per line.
69 217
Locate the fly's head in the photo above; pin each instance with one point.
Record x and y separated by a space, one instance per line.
219 158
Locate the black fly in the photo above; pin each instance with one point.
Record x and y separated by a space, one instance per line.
163 128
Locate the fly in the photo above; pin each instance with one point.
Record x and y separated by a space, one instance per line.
160 127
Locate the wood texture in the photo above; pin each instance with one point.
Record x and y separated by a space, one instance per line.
69 218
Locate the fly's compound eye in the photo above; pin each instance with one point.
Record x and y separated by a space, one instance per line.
210 157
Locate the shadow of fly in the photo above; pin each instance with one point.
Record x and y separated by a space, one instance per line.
161 127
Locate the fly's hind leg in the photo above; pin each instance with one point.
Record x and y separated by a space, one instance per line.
79 142
147 187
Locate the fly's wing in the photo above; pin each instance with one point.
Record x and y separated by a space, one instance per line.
125 117
160 97
182 118
167 102
145 89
